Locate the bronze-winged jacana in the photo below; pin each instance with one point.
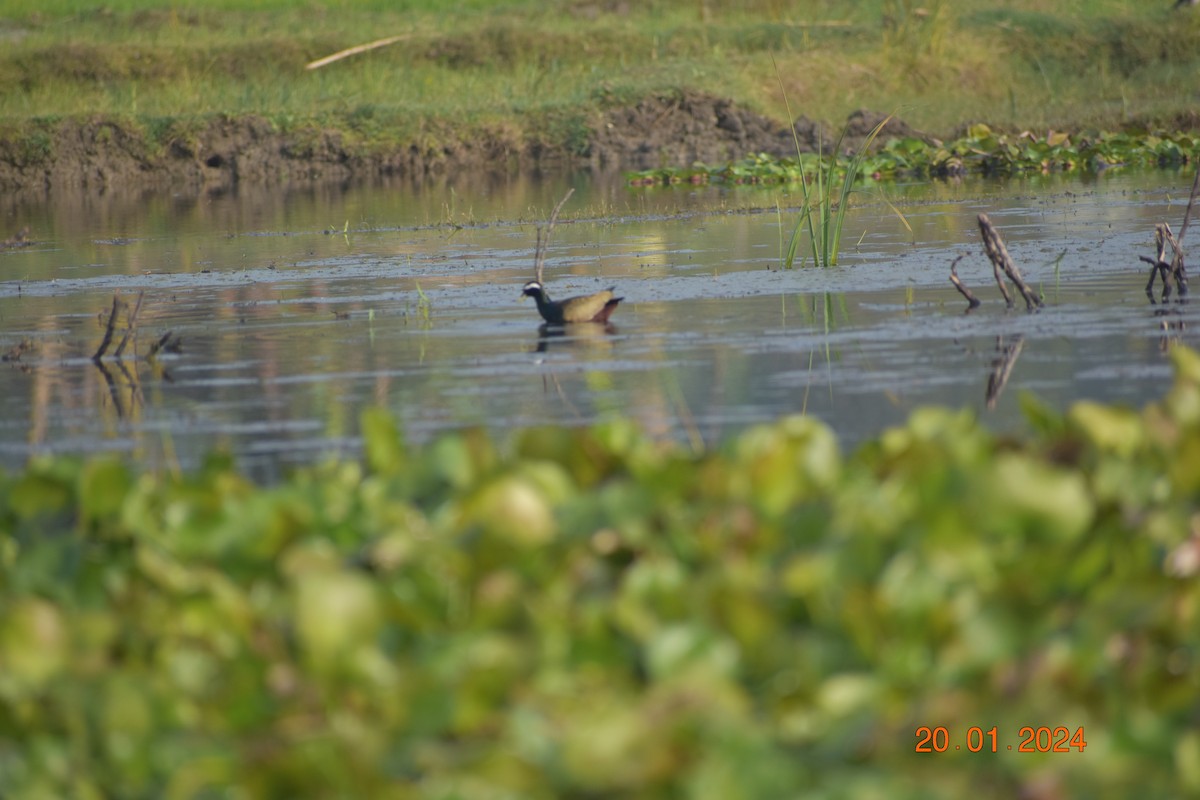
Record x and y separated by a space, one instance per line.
596 307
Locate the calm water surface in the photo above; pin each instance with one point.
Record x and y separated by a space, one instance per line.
298 309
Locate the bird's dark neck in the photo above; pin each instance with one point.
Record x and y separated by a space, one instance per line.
542 299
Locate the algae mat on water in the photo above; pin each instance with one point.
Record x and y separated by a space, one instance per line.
592 613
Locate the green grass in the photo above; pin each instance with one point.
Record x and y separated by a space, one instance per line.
593 613
493 63
823 211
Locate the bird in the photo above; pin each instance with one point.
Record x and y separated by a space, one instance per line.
596 307
1182 3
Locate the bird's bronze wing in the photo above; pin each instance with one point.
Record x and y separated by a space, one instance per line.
585 307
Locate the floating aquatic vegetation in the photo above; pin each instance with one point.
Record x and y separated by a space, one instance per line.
980 151
594 612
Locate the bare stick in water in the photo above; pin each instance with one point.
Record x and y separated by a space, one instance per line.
1001 260
1160 267
963 290
1177 267
543 238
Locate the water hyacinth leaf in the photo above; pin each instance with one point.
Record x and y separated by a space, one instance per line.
513 509
1041 417
337 613
690 648
1058 139
909 590
1187 760
575 451
1186 363
985 637
451 461
1183 403
1184 467
654 593
846 694
786 461
103 487
34 643
1052 502
463 459
550 480
662 633
979 149
38 492
608 746
810 575
1112 429
382 440
740 765
127 716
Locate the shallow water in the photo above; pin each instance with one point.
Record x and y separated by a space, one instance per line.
297 309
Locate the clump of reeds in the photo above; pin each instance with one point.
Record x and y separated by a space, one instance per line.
825 202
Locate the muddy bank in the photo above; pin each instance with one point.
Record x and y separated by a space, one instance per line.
675 129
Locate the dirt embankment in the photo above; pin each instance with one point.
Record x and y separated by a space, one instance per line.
667 130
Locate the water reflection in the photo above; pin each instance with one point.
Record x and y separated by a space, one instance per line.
1002 367
592 336
294 320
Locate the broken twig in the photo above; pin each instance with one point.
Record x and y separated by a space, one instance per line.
1177 267
1160 267
1001 260
963 290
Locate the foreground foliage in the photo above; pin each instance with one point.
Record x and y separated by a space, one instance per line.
979 151
594 614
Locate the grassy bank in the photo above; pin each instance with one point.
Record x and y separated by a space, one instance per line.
585 614
543 72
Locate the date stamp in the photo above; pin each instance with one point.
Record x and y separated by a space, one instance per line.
977 740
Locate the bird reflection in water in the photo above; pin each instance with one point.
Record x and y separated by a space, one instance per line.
591 336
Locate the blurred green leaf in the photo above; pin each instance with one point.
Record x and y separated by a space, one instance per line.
382 441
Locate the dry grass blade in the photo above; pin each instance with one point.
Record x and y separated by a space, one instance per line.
352 51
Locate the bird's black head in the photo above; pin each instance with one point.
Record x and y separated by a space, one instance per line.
533 289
